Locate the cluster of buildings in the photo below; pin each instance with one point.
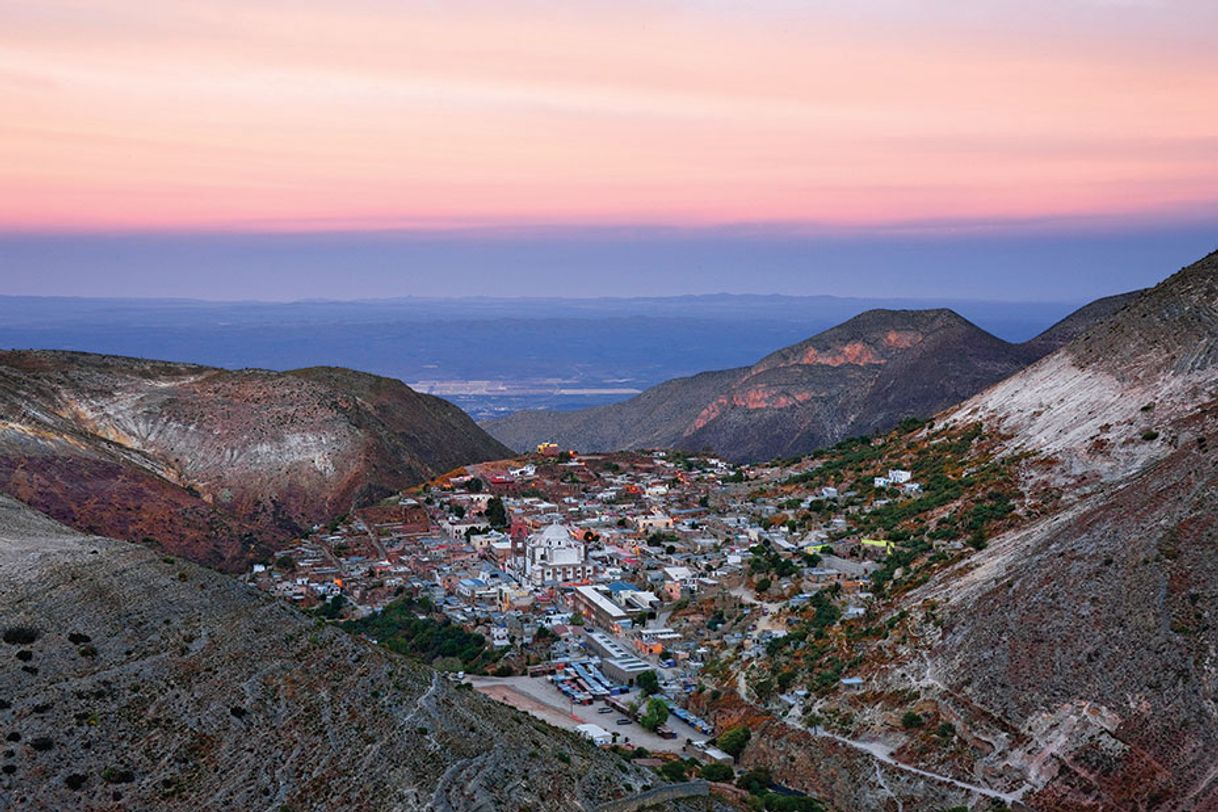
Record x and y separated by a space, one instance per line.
630 561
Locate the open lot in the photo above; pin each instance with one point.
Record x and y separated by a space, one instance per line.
538 697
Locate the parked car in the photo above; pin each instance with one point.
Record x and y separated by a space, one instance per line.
623 721
604 710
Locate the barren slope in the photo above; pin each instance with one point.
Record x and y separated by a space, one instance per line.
132 682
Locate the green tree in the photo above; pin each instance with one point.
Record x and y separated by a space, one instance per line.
756 780
655 715
674 770
648 683
496 513
733 741
717 772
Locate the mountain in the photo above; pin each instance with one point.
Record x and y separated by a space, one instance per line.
214 465
1068 662
864 375
1093 628
129 681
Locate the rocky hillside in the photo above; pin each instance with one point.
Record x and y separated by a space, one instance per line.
864 375
129 681
1064 659
214 465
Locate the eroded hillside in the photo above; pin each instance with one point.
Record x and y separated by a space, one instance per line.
212 464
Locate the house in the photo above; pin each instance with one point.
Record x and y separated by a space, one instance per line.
899 476
652 523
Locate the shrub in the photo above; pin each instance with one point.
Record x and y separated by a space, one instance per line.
20 635
117 775
673 771
717 772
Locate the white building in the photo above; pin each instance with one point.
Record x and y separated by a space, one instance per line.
552 555
652 523
898 476
597 734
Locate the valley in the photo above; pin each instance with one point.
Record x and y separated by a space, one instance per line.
1006 604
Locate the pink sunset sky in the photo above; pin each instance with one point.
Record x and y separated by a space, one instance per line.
120 115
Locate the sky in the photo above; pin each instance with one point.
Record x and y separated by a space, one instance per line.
383 147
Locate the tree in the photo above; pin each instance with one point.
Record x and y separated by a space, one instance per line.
496 513
763 585
648 683
733 741
674 770
655 715
756 780
474 485
911 720
717 772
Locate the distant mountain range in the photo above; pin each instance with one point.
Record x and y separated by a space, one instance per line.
490 356
862 376
215 465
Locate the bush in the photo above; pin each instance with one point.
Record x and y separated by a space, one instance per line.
673 771
717 772
20 635
756 781
912 720
117 775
